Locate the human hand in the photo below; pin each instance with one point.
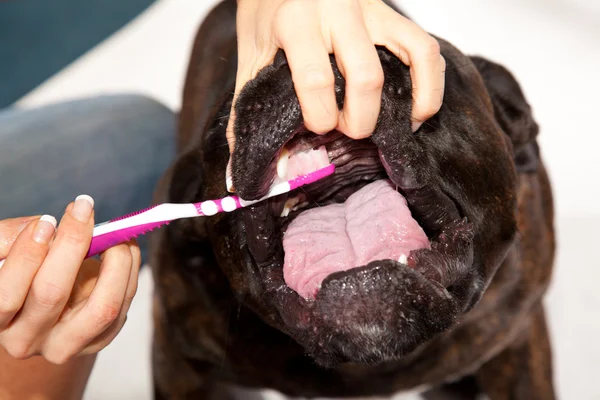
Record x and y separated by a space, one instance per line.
54 303
308 31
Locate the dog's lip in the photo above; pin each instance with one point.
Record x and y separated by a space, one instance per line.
348 295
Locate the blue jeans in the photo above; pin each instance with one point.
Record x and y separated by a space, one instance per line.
113 148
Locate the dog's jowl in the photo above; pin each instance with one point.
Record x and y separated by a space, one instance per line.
422 262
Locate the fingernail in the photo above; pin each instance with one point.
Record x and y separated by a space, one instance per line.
416 125
82 209
228 178
2 263
44 230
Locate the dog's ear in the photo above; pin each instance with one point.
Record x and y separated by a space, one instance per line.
512 112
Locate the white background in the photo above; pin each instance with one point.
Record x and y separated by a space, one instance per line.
551 46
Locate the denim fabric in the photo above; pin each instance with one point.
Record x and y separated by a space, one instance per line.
113 148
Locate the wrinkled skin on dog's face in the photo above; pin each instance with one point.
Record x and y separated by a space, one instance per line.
455 174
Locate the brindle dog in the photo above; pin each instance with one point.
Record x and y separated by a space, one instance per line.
467 309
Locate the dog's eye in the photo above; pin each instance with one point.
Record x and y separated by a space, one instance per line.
526 157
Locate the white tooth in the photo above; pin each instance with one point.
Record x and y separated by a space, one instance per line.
299 206
321 157
282 164
403 259
229 184
289 206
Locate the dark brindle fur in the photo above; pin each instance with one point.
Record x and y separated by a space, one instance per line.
470 309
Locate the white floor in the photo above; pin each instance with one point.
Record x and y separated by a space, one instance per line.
552 48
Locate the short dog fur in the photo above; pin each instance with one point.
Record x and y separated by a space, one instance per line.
465 316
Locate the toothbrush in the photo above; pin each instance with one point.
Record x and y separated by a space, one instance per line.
122 229
127 227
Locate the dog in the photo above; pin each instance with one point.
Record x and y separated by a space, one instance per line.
452 228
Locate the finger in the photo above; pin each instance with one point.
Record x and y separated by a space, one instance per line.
360 65
9 230
249 64
101 310
417 49
229 133
112 331
23 262
428 89
308 58
132 283
52 286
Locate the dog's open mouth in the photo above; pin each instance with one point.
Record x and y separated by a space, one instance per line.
347 220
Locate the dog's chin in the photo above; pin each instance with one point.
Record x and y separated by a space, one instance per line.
370 315
356 266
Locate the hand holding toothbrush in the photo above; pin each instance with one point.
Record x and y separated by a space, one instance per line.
53 301
57 302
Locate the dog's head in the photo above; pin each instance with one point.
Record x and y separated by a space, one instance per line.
373 261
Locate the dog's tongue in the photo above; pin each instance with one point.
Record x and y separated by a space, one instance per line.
373 224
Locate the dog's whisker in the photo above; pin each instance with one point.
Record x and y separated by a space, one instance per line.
226 339
308 197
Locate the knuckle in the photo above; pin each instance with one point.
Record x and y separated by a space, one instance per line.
323 125
30 255
358 133
289 11
430 49
429 108
136 253
314 77
367 78
122 254
105 314
433 46
74 238
56 357
49 295
20 350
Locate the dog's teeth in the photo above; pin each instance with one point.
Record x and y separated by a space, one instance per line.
403 259
289 206
282 164
229 184
299 206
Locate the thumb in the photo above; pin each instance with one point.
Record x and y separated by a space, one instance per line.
9 230
242 77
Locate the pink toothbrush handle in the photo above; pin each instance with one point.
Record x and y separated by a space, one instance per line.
104 242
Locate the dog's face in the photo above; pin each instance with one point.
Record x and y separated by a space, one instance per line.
371 262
